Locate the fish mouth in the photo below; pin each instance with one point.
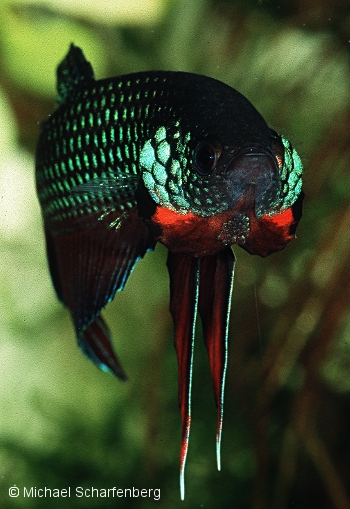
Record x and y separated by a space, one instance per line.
254 161
254 172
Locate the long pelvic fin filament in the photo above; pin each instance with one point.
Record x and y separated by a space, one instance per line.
187 419
222 391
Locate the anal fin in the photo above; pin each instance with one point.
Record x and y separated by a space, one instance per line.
89 262
95 342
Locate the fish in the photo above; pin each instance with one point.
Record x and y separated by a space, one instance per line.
160 156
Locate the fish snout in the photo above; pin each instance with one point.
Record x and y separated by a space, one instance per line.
254 172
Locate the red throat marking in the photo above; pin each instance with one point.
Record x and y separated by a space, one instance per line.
285 218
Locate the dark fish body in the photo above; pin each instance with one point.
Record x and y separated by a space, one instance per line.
163 156
101 127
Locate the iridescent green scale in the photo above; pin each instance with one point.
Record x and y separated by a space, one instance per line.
95 136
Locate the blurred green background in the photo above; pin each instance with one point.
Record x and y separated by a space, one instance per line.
286 441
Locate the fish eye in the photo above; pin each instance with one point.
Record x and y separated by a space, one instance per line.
205 157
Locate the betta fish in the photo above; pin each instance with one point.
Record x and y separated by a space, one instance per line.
160 156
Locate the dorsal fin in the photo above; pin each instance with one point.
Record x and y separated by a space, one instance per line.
72 73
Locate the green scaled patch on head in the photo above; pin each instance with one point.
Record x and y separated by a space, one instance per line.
291 175
161 168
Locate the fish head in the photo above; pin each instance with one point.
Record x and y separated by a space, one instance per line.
227 174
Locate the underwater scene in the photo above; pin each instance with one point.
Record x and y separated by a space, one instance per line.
207 210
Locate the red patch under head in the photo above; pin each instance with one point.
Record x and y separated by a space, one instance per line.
270 233
285 219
